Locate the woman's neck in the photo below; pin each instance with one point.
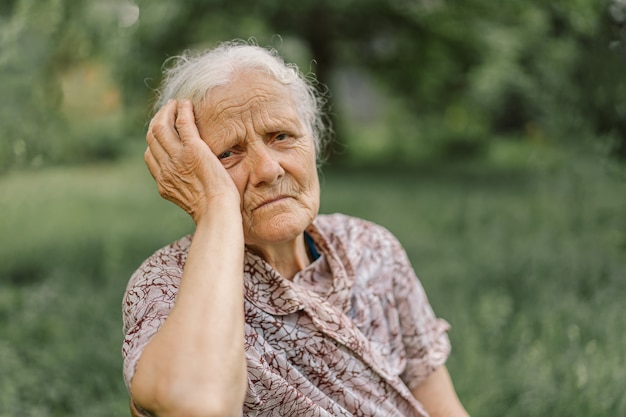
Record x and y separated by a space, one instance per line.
288 258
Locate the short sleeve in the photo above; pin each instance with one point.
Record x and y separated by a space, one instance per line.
424 336
149 298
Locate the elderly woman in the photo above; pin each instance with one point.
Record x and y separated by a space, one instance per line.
269 309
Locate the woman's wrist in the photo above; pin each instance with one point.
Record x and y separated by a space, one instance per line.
221 208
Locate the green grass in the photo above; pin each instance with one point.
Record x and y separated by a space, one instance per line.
527 261
70 238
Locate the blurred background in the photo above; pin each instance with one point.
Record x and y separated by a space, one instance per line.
490 137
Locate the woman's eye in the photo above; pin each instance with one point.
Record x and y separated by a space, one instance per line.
281 136
224 155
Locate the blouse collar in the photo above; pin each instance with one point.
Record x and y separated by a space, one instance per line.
331 277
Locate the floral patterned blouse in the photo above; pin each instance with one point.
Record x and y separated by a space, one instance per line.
350 335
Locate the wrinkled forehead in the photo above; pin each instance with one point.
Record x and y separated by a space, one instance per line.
249 94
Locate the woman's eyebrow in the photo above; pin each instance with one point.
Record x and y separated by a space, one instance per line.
282 121
222 138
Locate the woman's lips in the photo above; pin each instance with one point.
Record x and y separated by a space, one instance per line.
272 200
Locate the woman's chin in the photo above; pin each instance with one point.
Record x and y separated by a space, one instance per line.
281 228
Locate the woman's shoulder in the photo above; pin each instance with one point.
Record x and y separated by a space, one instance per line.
171 254
355 230
343 223
167 261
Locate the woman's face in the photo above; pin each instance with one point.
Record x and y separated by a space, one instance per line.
253 126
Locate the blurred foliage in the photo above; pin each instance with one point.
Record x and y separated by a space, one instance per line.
42 42
446 78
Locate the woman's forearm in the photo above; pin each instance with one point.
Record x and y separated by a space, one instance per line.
438 396
195 364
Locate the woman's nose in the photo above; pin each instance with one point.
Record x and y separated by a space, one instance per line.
265 166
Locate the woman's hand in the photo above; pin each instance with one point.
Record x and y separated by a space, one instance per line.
185 169
195 363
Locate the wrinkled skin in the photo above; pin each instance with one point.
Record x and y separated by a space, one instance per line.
259 154
253 127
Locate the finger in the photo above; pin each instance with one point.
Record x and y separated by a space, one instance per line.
162 129
162 184
156 149
153 166
186 123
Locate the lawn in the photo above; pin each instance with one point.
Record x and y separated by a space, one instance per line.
525 259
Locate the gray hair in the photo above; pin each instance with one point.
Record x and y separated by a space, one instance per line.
192 75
